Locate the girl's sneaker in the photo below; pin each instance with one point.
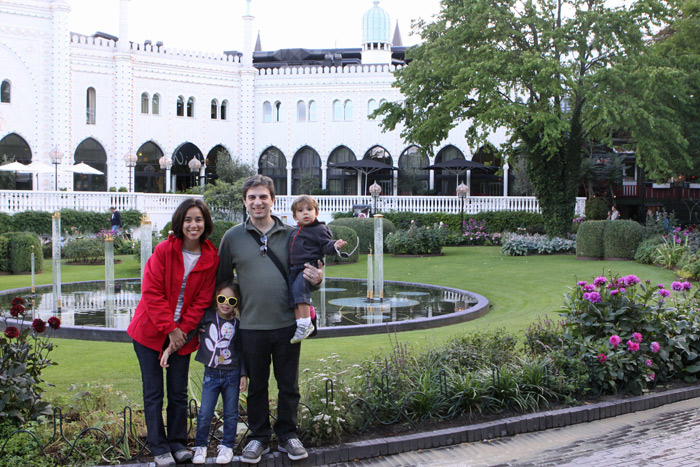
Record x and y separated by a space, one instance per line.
302 333
225 455
200 455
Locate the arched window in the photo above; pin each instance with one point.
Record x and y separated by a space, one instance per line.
93 154
445 180
273 164
148 176
347 115
267 112
382 101
487 182
145 101
180 106
337 111
155 104
91 107
301 111
224 107
278 111
412 180
217 155
341 181
385 177
371 106
5 92
214 109
312 111
15 148
306 171
190 107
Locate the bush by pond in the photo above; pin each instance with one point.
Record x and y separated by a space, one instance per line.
523 245
417 241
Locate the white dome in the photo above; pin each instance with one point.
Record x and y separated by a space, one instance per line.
376 25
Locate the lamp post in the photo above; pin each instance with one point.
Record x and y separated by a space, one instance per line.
130 161
166 164
462 192
375 190
194 165
55 155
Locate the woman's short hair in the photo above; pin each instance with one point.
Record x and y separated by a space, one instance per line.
259 180
179 217
304 200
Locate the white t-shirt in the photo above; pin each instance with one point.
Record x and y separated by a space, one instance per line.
190 259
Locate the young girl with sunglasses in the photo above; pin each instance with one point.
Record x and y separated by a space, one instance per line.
224 372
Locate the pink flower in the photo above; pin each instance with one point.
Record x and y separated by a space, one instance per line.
677 286
632 346
664 292
655 347
602 358
581 283
614 292
615 340
623 290
632 279
594 297
661 286
637 337
651 377
648 363
686 285
588 288
600 280
586 295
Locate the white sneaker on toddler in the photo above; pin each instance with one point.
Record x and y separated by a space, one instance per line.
302 333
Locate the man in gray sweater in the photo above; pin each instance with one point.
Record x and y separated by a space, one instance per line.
267 322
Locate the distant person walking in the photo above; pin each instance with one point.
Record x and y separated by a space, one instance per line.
615 215
116 220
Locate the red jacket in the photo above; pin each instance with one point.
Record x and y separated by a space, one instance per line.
160 288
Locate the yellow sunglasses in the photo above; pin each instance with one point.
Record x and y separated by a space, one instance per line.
232 301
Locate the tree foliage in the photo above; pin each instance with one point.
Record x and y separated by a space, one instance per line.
224 197
532 67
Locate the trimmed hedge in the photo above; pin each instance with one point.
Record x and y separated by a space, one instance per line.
350 236
417 241
365 230
597 208
589 239
86 222
84 250
621 239
5 223
220 228
4 253
20 252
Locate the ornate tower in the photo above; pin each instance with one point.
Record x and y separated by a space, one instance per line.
376 36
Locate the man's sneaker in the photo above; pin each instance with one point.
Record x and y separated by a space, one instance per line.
302 333
294 449
253 452
200 455
165 460
225 454
182 456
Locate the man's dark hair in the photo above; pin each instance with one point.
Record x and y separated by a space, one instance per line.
259 180
179 217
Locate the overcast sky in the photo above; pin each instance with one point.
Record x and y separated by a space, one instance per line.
216 25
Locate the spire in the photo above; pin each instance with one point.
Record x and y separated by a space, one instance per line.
258 46
396 41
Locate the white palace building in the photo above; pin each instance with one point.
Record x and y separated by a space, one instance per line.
154 120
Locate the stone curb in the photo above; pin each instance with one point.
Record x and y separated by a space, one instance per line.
526 423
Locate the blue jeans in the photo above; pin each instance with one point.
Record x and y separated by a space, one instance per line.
215 382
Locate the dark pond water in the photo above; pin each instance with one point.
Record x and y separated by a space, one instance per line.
84 304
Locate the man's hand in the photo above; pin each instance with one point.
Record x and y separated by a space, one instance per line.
312 274
177 338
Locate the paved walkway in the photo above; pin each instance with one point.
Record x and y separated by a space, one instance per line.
664 436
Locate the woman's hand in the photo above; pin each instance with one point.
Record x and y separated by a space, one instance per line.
177 338
243 385
312 274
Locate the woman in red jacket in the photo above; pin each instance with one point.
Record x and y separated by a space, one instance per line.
177 286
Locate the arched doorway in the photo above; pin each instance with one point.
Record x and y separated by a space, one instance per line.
483 183
148 176
14 148
446 181
412 180
184 177
341 181
93 154
273 164
384 178
210 175
306 171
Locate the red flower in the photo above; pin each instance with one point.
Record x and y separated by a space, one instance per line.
17 301
39 325
54 323
16 310
11 332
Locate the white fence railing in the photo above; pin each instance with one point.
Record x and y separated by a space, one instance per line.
160 207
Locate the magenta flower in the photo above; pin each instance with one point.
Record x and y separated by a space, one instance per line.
620 282
632 279
637 337
655 347
594 297
661 286
686 285
614 292
588 288
581 283
648 363
677 286
623 290
664 292
632 346
651 377
600 280
602 358
615 340
586 295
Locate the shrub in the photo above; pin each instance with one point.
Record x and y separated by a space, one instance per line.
417 241
496 221
621 239
4 253
350 236
597 208
648 250
20 252
220 228
589 239
689 266
365 230
522 245
84 250
5 222
38 222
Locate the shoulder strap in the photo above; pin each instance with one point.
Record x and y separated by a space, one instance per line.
270 253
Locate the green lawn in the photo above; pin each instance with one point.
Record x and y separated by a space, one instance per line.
519 289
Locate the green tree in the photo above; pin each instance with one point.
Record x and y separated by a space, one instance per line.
225 197
7 179
229 170
531 67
